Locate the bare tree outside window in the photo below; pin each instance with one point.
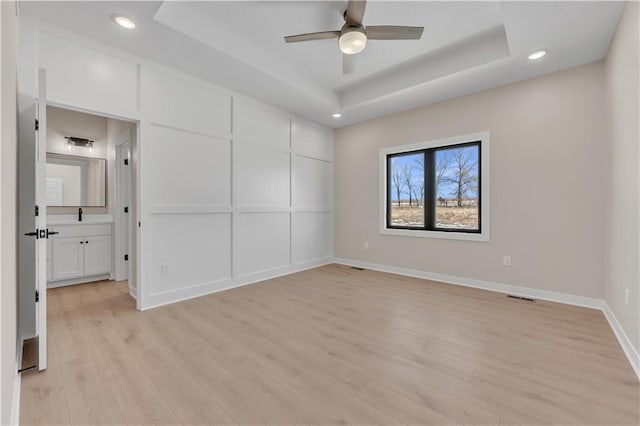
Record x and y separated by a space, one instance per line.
457 188
397 181
435 188
407 181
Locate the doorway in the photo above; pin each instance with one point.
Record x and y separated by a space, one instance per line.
87 210
123 211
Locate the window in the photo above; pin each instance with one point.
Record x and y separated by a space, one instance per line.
437 189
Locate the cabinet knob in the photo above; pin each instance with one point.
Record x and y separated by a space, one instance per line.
81 242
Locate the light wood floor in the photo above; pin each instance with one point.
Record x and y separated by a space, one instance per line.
331 345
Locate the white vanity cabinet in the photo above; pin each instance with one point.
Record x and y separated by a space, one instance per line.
79 253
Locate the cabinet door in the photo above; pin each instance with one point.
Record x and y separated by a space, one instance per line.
68 258
97 255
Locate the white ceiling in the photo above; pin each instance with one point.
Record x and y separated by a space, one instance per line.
465 47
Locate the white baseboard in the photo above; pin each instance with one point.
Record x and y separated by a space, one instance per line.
552 296
629 350
568 299
82 280
215 287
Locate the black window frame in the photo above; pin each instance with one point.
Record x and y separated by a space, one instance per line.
429 203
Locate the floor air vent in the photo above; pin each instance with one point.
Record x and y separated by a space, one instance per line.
526 299
357 268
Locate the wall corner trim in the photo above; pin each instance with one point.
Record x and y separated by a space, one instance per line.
569 299
629 350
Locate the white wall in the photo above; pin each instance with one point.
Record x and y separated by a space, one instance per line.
231 190
622 244
8 224
548 141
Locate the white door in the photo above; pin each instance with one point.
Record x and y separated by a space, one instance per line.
97 255
68 261
32 255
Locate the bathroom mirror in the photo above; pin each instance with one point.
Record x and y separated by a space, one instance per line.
74 181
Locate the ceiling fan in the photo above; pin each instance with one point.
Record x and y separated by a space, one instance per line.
353 36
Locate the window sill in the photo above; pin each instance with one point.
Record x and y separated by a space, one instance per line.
443 235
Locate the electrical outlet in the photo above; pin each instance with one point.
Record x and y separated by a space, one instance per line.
164 269
506 260
626 296
366 245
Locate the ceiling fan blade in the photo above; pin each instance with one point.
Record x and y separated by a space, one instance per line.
347 63
392 32
312 36
355 12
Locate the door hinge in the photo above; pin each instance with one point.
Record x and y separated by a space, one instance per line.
126 257
126 209
37 125
126 161
37 296
37 211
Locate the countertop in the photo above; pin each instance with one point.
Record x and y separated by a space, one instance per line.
72 219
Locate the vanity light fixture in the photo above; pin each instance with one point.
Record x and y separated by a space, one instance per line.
537 54
80 142
124 22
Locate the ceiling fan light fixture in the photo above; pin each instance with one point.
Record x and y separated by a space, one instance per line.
352 40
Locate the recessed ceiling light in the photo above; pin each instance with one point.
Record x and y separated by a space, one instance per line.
123 21
337 115
537 55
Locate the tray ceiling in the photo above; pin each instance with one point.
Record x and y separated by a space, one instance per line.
465 47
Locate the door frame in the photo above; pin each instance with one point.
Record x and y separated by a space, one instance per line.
134 162
41 219
122 246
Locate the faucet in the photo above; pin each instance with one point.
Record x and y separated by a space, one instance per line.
79 214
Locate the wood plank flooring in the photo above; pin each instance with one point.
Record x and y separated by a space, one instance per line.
332 345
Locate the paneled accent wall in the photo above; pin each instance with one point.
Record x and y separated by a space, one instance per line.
237 190
230 190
